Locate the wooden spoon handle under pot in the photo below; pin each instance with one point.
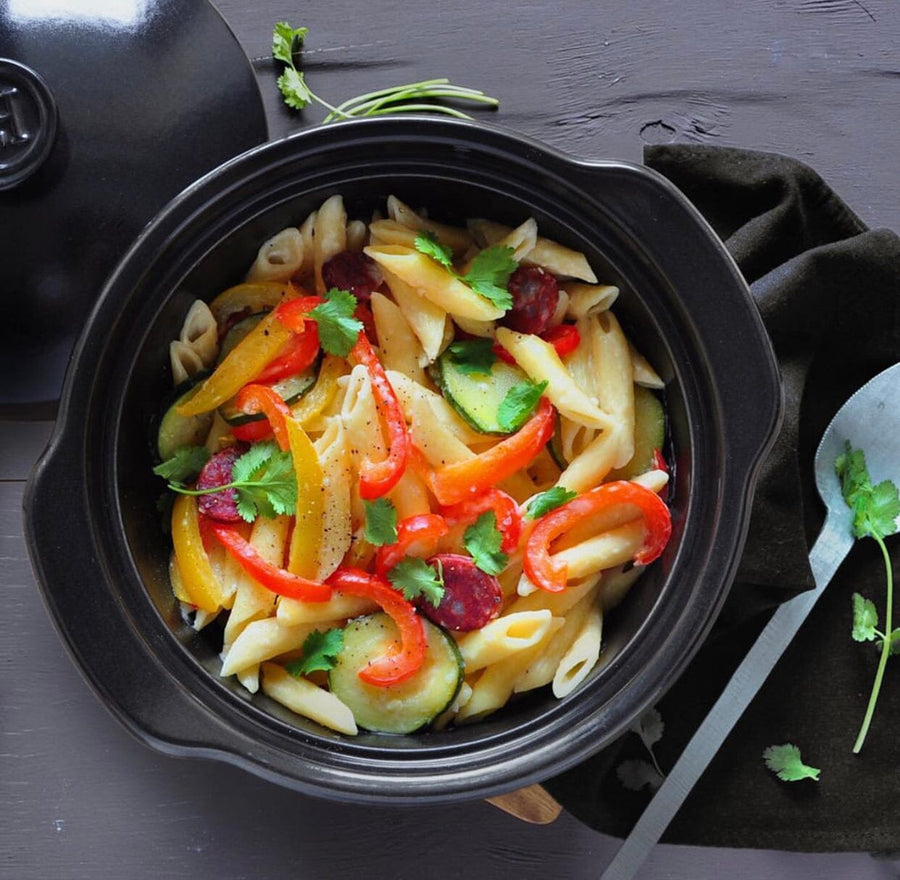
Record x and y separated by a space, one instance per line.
532 804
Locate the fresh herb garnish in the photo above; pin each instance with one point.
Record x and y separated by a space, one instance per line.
263 479
414 577
518 404
427 243
547 501
785 762
287 42
875 511
473 356
338 329
319 652
488 274
483 540
636 773
184 465
381 522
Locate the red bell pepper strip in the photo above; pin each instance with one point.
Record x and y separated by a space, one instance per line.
278 580
416 536
294 313
379 477
298 356
404 660
260 398
252 432
506 510
565 338
461 480
549 574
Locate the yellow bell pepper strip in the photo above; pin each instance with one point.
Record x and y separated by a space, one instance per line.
250 298
461 480
505 508
273 578
198 580
260 398
322 393
306 538
417 535
549 574
241 365
377 478
403 660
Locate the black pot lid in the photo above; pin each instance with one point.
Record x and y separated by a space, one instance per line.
108 108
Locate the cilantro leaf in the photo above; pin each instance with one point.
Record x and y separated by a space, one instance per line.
186 463
785 762
482 539
338 329
381 522
489 274
865 619
649 727
473 356
292 85
414 577
264 482
636 774
320 652
286 40
875 508
547 501
426 242
518 404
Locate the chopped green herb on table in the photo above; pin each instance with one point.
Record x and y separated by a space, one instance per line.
785 762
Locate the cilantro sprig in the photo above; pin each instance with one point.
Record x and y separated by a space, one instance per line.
287 43
875 511
488 272
263 479
319 652
549 500
636 773
473 357
787 764
483 540
185 464
338 329
414 577
381 522
518 404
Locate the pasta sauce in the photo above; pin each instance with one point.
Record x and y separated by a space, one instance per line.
413 466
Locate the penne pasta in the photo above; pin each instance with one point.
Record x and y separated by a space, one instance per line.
279 258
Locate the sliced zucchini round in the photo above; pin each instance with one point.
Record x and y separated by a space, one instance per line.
403 707
176 430
477 396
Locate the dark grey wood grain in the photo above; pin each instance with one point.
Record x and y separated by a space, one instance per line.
817 79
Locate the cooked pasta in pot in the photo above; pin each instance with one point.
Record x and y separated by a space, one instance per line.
407 460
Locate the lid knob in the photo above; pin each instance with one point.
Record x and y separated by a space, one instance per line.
28 118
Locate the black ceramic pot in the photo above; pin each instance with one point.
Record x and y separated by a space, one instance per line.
95 535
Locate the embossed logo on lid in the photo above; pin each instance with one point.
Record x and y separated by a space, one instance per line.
27 122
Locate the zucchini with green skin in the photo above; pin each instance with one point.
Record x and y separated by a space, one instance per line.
176 430
403 707
477 396
290 389
649 435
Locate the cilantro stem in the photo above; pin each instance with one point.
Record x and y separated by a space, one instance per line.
243 484
885 648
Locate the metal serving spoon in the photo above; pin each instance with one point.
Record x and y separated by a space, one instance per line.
870 420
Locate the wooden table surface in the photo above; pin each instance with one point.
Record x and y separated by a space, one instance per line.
817 79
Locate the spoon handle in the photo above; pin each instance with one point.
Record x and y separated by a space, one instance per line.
832 545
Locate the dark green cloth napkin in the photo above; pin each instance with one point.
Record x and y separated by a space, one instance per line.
828 289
